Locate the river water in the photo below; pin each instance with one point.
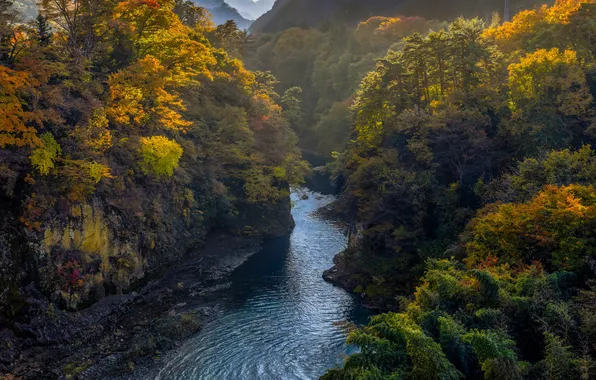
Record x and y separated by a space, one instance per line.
281 318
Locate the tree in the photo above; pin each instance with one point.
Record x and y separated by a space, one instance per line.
159 156
142 96
549 95
78 24
555 227
43 29
560 361
16 128
191 15
44 157
290 101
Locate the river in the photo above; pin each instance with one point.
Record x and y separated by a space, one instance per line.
279 320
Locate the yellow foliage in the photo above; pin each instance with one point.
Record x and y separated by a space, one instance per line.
95 135
160 155
523 23
156 30
510 35
543 73
98 171
563 9
143 93
44 157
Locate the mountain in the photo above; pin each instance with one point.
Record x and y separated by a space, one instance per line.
251 9
288 13
222 12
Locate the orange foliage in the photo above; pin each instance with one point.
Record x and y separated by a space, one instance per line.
31 214
563 9
555 228
510 35
15 129
524 23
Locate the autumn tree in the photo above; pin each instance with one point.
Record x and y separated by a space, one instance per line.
555 228
159 156
17 125
548 92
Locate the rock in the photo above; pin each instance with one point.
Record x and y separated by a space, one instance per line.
179 326
109 364
304 197
215 288
9 347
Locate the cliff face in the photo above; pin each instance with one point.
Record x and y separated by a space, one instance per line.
75 254
73 279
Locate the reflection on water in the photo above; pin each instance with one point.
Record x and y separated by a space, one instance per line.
279 323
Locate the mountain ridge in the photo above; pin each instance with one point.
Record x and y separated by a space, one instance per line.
312 13
221 12
250 8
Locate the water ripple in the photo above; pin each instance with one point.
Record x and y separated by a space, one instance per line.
280 322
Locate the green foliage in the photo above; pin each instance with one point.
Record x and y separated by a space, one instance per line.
159 156
470 331
446 112
489 345
44 157
559 360
392 346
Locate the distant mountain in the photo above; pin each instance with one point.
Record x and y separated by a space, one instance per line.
251 9
289 13
222 12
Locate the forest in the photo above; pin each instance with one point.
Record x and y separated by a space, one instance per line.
131 130
464 154
468 175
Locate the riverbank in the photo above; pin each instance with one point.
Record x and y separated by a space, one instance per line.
347 270
347 275
114 335
279 319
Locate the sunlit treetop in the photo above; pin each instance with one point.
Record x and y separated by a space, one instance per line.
141 94
156 30
551 77
524 25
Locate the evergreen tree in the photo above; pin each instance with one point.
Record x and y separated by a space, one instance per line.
43 30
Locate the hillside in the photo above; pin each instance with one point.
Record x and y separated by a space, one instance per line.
288 13
121 152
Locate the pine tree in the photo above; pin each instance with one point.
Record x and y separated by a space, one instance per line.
44 33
